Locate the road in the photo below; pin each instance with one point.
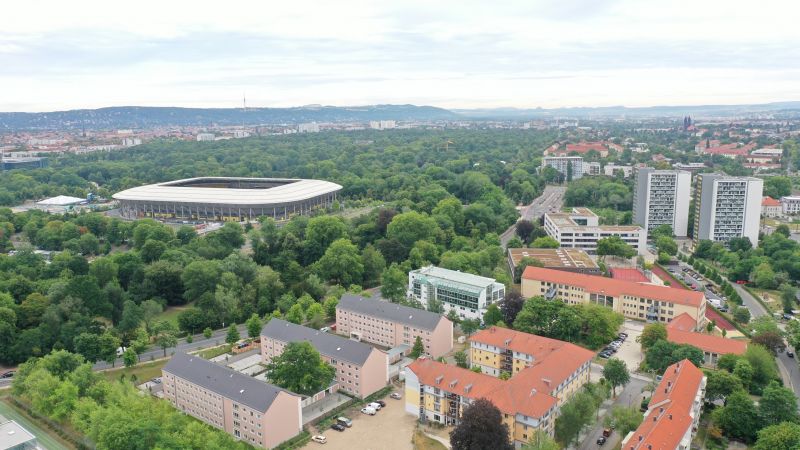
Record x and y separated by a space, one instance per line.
630 396
551 199
199 342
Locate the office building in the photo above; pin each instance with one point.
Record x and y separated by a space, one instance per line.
529 401
684 330
567 259
634 300
581 229
673 413
360 368
467 294
661 197
727 207
261 414
571 167
391 325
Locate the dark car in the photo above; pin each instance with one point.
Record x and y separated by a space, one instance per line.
601 440
338 427
381 402
8 374
790 354
607 432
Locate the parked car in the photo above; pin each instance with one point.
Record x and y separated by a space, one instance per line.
375 405
9 374
601 440
396 395
623 335
607 432
790 354
370 411
338 427
381 402
345 421
325 329
604 355
319 439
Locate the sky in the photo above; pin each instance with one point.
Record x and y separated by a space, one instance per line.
57 54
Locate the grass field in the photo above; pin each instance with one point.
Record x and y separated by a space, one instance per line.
143 372
171 313
46 440
215 351
422 442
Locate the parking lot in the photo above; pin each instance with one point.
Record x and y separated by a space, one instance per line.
390 429
630 351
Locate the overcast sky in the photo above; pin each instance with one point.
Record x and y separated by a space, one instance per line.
456 54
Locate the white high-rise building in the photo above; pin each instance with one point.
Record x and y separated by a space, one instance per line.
727 207
565 164
662 197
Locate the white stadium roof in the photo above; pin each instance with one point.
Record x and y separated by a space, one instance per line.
61 200
295 190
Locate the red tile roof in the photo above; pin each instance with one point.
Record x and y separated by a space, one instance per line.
539 347
609 286
707 342
683 322
769 201
668 417
629 275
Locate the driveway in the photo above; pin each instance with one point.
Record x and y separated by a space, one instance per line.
390 429
630 351
630 396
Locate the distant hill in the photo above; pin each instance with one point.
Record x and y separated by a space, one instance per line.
148 117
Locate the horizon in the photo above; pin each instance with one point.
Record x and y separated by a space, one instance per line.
525 55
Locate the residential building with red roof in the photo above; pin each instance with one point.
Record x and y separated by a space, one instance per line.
673 413
771 207
545 373
635 300
683 330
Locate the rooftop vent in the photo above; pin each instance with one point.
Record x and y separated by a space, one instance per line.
439 379
241 391
641 438
533 392
454 382
508 341
467 388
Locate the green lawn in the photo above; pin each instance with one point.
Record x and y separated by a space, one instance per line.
143 372
171 313
215 351
46 440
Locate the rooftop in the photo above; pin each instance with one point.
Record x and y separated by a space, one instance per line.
769 201
13 434
629 274
327 344
226 382
681 331
455 276
610 286
392 312
539 347
554 257
61 200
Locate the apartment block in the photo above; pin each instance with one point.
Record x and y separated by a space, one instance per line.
467 294
391 325
771 207
581 229
360 368
727 207
790 205
529 401
673 414
250 410
684 330
661 197
565 165
635 300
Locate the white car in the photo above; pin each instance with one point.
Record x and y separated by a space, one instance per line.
319 439
375 406
370 411
396 395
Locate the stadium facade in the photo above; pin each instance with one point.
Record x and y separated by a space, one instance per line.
227 198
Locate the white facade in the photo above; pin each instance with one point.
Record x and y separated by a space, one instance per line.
727 207
610 168
662 197
563 164
591 168
312 127
466 294
205 137
581 229
790 205
382 124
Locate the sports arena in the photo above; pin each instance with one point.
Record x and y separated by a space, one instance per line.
227 199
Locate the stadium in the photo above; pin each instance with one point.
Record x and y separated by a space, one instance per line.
226 198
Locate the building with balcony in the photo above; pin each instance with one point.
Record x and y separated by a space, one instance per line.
635 300
727 207
581 229
570 167
261 414
391 325
467 294
673 414
661 197
790 205
360 368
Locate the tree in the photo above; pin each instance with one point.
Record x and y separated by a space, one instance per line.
788 297
720 384
492 315
545 242
741 314
233 334
763 364
778 404
511 305
315 314
295 314
321 232
461 359
777 187
785 435
165 335
469 326
623 420
744 372
652 333
395 283
207 333
667 245
481 427
418 348
373 263
615 246
738 418
663 354
129 358
771 340
616 373
300 369
523 263
541 441
575 415
341 263
253 326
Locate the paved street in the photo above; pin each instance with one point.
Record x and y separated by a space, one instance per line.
630 396
551 199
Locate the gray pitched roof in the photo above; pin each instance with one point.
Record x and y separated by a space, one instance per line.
331 345
375 307
226 382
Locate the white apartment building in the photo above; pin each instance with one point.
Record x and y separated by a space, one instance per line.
662 197
312 127
563 165
205 137
591 168
727 207
467 294
581 229
790 205
382 124
610 168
